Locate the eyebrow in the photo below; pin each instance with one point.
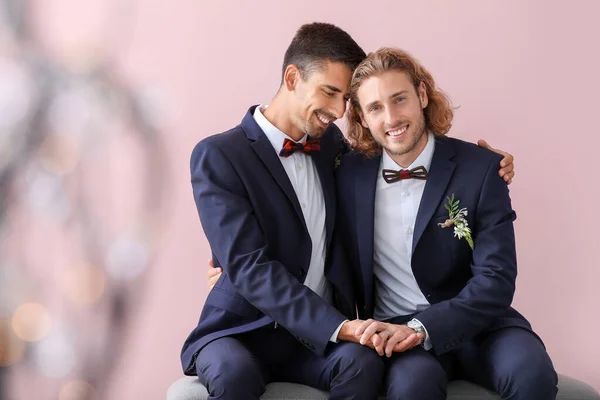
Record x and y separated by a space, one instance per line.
391 97
398 93
332 88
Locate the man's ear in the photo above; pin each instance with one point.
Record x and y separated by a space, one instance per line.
291 77
422 91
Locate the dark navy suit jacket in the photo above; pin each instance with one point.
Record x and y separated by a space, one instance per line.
254 224
470 291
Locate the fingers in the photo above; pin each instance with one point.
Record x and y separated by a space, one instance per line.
506 164
507 173
212 276
372 329
507 160
392 342
211 264
376 341
361 328
408 343
484 144
380 340
212 272
507 170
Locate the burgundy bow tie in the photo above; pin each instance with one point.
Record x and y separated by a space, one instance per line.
290 147
391 176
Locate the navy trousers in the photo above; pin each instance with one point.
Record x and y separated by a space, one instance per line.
510 361
240 366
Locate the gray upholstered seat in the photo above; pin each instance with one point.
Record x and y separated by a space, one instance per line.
190 388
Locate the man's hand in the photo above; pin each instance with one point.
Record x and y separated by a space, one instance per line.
213 274
507 167
396 338
348 334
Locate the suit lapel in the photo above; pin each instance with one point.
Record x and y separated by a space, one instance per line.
440 172
364 194
264 149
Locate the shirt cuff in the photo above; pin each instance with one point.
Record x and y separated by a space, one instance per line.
427 343
333 337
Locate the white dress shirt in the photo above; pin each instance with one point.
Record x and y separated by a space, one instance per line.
396 206
305 180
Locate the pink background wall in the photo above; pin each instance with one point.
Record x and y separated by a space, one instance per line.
524 73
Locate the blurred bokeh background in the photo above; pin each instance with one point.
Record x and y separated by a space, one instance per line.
83 185
102 256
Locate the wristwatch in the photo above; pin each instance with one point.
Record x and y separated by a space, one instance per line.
417 327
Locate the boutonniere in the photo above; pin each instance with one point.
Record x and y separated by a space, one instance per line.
337 161
456 217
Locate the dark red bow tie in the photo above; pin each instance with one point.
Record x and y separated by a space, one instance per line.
391 176
290 147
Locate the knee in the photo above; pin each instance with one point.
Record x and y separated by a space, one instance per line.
532 379
229 377
366 360
359 371
536 384
418 383
360 362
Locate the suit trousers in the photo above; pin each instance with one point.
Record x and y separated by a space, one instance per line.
238 367
510 361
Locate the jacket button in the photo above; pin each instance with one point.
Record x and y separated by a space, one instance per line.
447 345
302 271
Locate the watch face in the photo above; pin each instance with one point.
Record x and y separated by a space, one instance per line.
415 325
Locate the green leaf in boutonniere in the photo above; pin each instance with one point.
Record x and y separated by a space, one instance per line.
337 161
456 217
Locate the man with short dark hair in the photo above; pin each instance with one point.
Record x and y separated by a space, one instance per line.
265 196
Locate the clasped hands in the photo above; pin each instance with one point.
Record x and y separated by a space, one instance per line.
384 337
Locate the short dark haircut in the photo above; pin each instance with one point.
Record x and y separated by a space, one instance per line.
317 43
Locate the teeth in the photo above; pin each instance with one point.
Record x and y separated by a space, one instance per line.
323 120
398 132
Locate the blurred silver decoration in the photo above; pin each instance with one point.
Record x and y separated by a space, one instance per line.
55 355
127 258
73 135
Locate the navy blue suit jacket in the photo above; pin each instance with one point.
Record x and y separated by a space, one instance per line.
470 291
254 224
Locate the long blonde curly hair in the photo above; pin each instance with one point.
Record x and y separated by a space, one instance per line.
438 113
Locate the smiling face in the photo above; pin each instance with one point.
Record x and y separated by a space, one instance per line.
320 98
392 109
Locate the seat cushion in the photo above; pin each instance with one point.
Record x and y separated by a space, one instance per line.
190 388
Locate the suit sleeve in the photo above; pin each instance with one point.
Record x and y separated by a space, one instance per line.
489 293
237 241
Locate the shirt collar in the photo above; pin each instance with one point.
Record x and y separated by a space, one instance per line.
275 136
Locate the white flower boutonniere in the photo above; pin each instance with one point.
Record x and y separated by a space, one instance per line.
457 218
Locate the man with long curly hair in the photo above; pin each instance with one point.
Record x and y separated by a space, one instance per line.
428 230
